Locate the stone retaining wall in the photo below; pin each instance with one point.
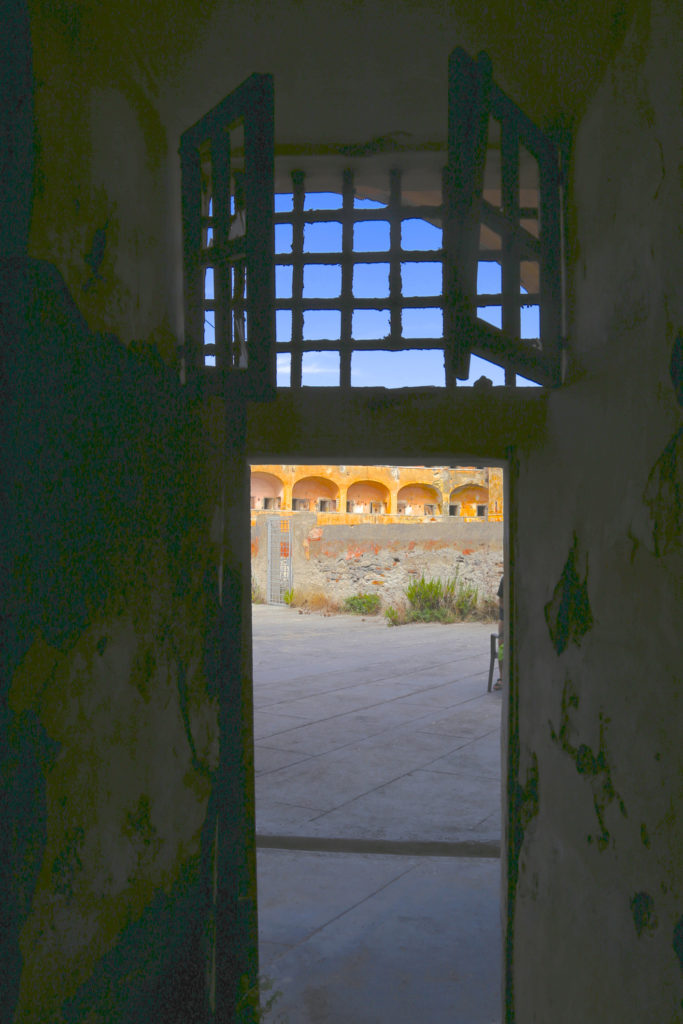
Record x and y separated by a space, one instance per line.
342 560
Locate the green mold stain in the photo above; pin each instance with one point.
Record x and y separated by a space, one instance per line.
568 614
590 764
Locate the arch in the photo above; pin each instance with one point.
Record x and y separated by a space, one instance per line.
469 500
470 492
315 494
368 496
417 499
266 491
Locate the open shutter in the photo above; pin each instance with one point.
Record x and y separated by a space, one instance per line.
502 203
468 114
227 208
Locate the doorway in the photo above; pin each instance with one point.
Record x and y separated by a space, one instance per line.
378 812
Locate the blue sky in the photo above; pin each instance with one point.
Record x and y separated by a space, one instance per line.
371 281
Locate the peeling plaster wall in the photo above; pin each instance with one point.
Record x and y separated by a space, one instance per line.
102 161
109 721
597 794
91 663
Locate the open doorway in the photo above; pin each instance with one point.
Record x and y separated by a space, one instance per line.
378 778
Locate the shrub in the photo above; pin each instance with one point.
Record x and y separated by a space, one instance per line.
425 595
436 601
362 604
460 598
288 597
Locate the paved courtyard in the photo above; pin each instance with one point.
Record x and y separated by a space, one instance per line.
378 819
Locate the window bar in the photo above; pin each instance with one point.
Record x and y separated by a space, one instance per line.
346 300
220 165
509 153
193 343
298 193
396 318
258 199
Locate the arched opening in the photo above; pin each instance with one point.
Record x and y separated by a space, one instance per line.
315 494
470 501
419 500
266 492
367 496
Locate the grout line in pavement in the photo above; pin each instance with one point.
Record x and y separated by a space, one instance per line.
347 910
369 707
367 792
486 848
396 729
380 679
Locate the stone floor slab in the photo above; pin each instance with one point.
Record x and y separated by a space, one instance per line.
366 733
422 805
423 945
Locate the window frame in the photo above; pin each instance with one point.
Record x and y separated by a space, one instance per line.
244 268
207 176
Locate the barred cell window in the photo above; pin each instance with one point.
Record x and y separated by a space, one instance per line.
363 267
359 285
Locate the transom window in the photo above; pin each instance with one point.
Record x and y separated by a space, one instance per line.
363 267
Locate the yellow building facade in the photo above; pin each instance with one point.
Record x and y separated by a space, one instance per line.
383 494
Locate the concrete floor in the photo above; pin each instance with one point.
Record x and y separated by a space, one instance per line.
378 820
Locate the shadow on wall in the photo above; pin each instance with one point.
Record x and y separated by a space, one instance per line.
110 702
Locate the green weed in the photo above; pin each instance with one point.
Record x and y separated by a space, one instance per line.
395 616
437 601
362 604
252 1003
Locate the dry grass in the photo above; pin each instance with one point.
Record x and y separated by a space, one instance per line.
486 610
309 600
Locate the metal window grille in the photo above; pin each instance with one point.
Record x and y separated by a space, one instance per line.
227 195
348 307
497 205
503 205
499 208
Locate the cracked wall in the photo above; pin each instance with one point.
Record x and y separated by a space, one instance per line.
596 884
